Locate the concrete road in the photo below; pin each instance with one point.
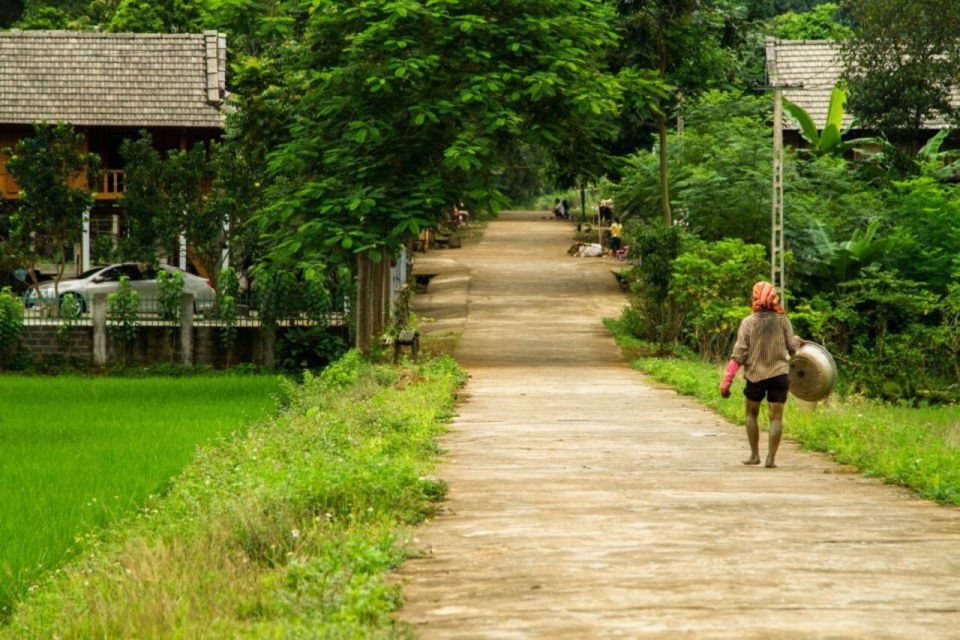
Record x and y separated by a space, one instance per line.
586 503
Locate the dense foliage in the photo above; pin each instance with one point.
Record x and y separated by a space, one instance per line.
873 261
903 64
822 23
54 184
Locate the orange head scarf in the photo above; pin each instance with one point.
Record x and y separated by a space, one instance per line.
765 298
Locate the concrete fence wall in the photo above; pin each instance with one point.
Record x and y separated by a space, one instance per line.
152 345
188 344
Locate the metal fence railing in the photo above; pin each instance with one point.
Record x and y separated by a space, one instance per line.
77 310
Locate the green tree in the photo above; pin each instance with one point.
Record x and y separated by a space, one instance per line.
150 226
821 23
157 16
659 19
53 175
169 196
397 109
902 64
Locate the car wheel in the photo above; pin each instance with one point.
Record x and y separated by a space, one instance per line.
81 303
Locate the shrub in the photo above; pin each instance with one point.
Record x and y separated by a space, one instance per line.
710 291
11 326
69 314
123 312
653 249
169 295
228 288
690 292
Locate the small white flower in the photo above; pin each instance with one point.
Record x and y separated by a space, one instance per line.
295 533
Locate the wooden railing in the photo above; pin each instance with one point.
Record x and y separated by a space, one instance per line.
112 184
8 186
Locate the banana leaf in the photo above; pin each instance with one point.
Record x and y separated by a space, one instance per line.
830 140
838 100
808 129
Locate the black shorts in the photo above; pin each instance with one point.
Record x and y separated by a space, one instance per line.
614 243
775 389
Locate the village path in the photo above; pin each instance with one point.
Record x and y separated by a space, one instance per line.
587 503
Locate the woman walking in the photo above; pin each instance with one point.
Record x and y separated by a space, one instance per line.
765 342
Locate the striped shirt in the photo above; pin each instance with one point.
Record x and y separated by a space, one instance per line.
764 345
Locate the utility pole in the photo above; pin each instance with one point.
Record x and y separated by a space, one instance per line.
778 272
778 275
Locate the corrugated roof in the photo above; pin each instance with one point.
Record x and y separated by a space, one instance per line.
113 79
816 65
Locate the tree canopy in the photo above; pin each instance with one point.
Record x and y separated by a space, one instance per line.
397 110
903 63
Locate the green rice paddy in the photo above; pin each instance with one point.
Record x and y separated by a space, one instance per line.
77 453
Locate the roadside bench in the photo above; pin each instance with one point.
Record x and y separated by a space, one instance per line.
406 338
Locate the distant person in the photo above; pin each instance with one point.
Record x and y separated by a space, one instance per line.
558 211
616 235
606 211
566 209
765 342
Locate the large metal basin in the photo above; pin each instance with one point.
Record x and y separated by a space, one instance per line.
813 373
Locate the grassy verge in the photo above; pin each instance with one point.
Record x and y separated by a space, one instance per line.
80 452
286 531
916 448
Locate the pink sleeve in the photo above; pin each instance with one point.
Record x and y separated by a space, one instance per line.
732 367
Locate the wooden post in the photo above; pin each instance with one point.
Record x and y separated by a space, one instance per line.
269 345
186 330
385 281
100 329
363 304
376 291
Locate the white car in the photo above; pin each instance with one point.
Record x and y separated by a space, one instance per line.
107 279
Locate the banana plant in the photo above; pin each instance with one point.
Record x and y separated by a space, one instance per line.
844 260
942 165
829 141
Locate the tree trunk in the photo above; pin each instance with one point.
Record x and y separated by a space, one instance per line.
362 308
376 290
385 276
663 56
664 172
583 200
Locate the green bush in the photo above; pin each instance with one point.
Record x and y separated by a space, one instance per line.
11 326
690 293
872 255
710 291
653 248
169 295
123 312
69 314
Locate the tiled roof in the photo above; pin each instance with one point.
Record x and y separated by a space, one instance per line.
112 79
816 65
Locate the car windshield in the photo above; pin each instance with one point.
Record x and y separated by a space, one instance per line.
89 272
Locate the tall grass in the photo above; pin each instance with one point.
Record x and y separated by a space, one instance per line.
79 452
285 531
914 447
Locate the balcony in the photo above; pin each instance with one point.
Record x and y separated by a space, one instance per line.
110 185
